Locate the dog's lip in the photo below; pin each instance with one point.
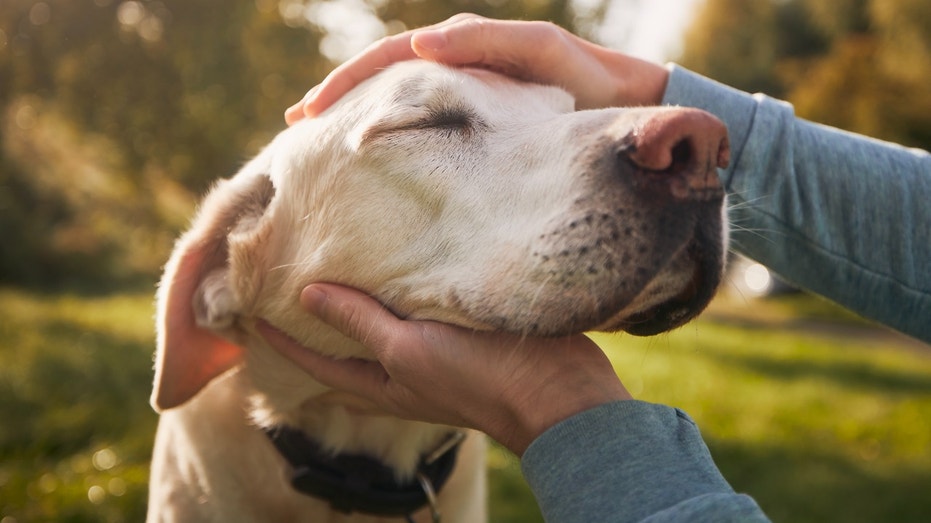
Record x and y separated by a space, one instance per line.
660 318
681 308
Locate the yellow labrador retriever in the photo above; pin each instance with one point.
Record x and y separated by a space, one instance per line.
453 195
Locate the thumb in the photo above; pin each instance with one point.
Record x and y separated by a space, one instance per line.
353 313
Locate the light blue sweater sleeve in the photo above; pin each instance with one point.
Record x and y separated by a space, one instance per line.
630 461
841 215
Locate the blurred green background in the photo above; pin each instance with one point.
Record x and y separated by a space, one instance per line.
116 115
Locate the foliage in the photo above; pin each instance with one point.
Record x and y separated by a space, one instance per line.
77 434
861 65
116 114
789 407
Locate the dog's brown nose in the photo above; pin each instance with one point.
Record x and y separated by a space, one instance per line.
680 148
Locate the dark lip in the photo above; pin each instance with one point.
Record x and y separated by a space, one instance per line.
678 310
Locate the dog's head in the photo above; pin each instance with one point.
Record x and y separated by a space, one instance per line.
454 195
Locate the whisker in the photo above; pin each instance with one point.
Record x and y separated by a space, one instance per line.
745 203
759 233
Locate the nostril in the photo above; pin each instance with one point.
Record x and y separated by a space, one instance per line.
660 158
682 156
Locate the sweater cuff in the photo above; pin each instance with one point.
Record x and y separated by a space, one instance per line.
628 458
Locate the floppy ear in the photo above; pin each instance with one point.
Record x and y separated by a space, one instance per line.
197 305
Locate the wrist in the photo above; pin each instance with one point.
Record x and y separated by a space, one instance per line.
637 82
557 401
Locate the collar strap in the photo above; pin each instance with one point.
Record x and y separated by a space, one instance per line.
360 483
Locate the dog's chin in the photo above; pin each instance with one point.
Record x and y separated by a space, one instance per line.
665 316
690 300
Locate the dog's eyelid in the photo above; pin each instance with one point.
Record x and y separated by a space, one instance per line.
450 117
460 119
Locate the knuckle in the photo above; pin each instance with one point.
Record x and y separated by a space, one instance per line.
386 45
379 44
544 27
550 41
464 16
470 22
546 33
391 345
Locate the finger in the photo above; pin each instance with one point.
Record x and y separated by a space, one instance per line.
539 52
506 46
361 377
354 314
296 112
351 73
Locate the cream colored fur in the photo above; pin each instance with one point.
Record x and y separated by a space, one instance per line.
458 196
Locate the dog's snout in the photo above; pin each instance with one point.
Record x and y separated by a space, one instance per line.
679 149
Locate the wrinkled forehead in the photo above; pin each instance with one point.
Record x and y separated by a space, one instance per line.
418 83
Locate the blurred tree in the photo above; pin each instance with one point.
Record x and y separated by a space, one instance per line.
114 114
861 65
155 98
726 33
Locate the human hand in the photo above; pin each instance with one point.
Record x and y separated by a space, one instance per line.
512 388
538 52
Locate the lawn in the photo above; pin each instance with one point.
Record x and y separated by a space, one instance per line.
823 419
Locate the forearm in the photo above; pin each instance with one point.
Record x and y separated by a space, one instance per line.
630 461
841 215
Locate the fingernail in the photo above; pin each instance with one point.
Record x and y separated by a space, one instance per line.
431 40
311 94
313 298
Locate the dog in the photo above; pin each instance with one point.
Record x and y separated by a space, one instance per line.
456 195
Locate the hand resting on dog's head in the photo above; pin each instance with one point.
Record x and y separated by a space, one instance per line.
538 52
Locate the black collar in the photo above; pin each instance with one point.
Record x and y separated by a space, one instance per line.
359 483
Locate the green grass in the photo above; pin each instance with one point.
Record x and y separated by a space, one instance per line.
76 431
826 420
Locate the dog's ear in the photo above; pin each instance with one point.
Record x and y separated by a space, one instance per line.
197 305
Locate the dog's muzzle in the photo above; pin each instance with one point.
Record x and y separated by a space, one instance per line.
675 156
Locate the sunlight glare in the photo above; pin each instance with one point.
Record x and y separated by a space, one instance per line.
757 279
349 26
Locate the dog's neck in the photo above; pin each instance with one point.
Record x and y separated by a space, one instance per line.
339 421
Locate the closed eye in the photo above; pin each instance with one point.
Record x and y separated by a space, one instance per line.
460 121
449 118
